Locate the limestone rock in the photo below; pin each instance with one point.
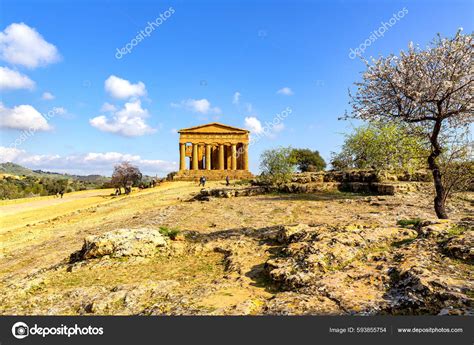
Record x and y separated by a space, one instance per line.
436 228
461 247
121 242
128 298
311 252
423 282
291 303
291 233
205 194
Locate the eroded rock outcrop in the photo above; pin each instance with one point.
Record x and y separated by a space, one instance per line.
228 192
122 242
363 269
362 175
424 281
460 247
356 181
131 298
312 251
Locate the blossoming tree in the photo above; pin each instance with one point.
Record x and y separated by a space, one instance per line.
429 89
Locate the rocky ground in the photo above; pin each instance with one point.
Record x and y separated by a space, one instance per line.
278 253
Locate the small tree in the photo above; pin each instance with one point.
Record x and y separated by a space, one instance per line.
457 164
307 160
62 186
383 147
125 175
429 90
277 165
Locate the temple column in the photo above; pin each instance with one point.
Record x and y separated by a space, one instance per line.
221 156
201 154
228 157
182 156
208 157
215 157
195 157
234 157
245 148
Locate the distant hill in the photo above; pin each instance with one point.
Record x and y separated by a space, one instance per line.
17 181
16 169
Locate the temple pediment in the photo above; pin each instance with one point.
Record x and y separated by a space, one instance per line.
214 127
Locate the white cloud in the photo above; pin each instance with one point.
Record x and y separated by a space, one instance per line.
22 117
10 154
107 107
253 125
87 163
23 45
236 98
202 106
122 89
47 96
128 121
258 130
109 159
13 80
285 91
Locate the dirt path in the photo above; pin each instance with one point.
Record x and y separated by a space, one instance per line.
20 213
18 207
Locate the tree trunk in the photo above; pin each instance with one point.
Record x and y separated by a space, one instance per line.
439 200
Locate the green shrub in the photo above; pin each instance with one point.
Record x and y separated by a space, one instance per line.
456 230
277 165
382 147
410 223
307 160
171 233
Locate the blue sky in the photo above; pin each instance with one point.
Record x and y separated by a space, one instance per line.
236 62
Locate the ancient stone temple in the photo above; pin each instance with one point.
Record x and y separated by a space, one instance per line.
213 150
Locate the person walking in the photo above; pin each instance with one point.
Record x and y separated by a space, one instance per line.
227 181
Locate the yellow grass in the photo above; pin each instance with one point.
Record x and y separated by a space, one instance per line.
57 226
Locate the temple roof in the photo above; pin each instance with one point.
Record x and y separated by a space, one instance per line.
214 127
